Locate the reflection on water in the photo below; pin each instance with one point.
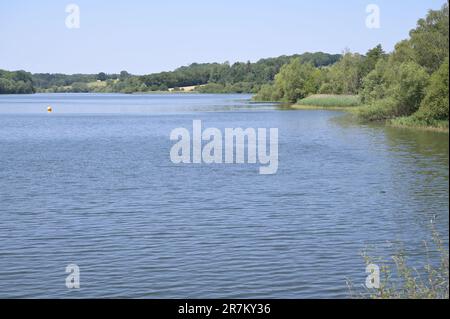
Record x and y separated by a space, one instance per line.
432 146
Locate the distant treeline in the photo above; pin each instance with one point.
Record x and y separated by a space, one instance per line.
410 84
19 82
212 77
82 83
238 77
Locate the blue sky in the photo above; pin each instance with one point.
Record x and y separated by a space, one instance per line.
151 36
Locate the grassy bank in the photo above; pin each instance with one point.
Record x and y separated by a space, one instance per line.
384 111
329 101
349 109
413 122
378 112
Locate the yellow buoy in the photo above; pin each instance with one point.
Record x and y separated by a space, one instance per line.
49 109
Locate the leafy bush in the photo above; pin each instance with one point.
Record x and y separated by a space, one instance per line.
408 88
418 122
435 104
297 80
431 281
402 89
379 110
266 93
375 84
345 76
430 39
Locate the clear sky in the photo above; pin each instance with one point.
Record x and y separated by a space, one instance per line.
151 36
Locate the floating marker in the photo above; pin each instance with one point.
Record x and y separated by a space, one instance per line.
49 109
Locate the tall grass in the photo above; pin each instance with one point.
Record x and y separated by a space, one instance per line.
414 121
402 281
380 110
387 111
329 100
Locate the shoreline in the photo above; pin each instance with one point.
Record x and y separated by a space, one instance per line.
420 128
388 123
347 109
318 107
132 93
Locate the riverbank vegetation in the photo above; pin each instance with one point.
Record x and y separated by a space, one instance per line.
330 100
400 280
407 87
298 80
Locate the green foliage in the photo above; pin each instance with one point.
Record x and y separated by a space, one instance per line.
418 122
102 76
434 108
430 40
375 84
128 85
209 77
435 104
46 81
297 80
327 100
379 110
400 86
408 88
211 88
345 76
428 43
403 53
267 93
79 87
393 92
371 59
239 77
19 82
124 75
398 280
391 86
240 87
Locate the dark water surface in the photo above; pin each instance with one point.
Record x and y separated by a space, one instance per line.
93 184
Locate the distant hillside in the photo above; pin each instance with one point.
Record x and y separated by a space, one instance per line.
239 77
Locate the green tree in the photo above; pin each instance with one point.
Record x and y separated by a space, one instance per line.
375 84
435 104
296 80
408 87
80 87
102 76
124 75
18 82
371 60
393 90
403 52
344 77
430 40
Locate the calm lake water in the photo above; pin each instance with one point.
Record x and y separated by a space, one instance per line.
93 184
